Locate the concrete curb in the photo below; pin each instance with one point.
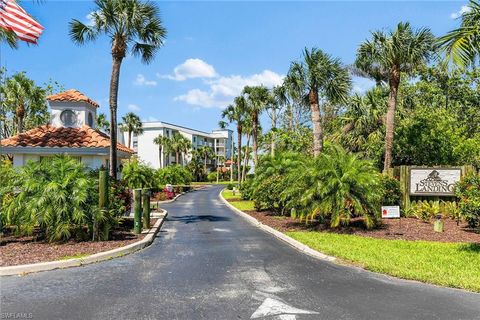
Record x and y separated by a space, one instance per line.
280 235
97 257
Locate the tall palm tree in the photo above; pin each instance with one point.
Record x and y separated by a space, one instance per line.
25 100
131 25
463 44
237 112
131 124
164 148
323 80
257 100
102 123
279 100
400 51
205 152
180 145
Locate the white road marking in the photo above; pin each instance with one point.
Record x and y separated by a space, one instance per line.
272 307
221 230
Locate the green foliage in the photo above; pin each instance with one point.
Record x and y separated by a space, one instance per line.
391 191
58 197
175 175
246 188
136 174
230 186
424 210
212 176
468 192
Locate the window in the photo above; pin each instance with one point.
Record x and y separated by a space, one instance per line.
194 139
135 144
90 119
68 118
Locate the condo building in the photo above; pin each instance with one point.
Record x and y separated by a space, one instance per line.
219 140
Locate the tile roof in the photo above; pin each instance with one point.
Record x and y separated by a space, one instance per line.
72 95
62 137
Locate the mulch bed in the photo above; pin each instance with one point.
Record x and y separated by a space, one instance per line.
404 229
25 250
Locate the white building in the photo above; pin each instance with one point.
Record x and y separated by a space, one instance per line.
72 130
219 140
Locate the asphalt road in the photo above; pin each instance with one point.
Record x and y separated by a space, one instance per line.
209 263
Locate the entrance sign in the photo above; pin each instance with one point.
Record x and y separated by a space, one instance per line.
389 212
433 182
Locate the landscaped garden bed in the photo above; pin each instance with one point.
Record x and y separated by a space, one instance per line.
28 249
406 248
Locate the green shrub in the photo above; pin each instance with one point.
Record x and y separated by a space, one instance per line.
136 174
246 189
468 192
212 176
175 175
391 191
59 197
230 186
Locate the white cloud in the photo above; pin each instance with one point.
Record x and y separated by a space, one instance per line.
89 18
133 107
150 119
362 85
223 90
142 81
461 12
191 68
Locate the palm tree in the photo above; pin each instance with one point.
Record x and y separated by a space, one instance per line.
131 25
131 124
205 153
164 148
25 100
463 44
257 100
102 123
237 113
179 145
279 100
400 51
9 37
323 80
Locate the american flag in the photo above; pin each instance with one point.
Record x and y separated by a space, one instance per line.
14 18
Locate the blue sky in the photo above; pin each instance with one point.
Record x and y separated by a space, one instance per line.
212 50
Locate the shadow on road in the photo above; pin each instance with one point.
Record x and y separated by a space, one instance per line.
197 218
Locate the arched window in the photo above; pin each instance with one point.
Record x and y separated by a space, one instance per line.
68 118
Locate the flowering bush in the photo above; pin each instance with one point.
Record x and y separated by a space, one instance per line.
468 192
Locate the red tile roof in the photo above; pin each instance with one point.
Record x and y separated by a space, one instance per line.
72 95
62 137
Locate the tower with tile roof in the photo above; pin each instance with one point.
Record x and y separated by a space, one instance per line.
72 109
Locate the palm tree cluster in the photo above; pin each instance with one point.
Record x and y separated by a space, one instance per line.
177 144
132 125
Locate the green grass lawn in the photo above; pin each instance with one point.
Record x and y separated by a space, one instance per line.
447 264
244 205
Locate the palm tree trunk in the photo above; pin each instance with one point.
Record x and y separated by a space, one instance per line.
205 164
245 163
390 121
316 123
274 126
160 156
177 157
114 81
20 114
129 138
239 155
254 136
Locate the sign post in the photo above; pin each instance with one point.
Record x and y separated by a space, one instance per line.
392 212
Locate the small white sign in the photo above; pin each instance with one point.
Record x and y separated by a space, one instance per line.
390 212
